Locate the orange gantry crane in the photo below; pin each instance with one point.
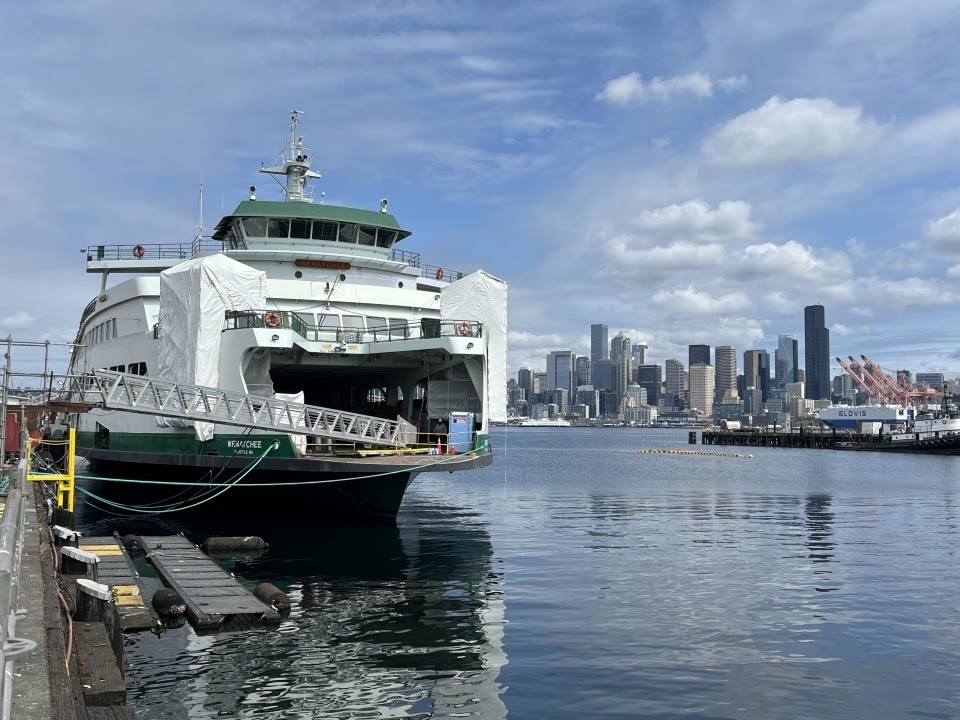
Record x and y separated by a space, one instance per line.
881 387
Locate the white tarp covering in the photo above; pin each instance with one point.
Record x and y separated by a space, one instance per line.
481 296
194 296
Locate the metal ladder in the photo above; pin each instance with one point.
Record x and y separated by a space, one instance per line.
135 393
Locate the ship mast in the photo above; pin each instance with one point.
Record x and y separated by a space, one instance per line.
294 163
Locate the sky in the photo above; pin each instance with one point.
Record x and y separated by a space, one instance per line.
684 171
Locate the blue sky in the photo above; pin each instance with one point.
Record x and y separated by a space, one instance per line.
687 172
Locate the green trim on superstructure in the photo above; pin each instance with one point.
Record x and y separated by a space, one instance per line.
221 445
308 211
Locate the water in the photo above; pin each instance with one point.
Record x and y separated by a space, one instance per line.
577 578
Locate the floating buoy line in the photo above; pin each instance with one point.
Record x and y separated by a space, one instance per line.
693 452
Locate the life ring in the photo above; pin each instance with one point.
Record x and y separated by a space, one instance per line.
138 252
464 329
439 273
272 320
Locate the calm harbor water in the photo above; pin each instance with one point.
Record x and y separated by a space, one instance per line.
578 578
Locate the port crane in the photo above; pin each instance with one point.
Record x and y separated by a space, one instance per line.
881 387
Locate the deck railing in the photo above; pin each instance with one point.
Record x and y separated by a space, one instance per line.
153 251
427 328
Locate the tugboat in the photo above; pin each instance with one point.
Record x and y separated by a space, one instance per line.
305 301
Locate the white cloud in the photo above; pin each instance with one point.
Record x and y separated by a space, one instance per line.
954 272
631 88
731 219
690 301
795 261
17 321
945 233
732 83
650 261
783 132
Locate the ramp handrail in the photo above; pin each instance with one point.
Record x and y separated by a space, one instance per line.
137 393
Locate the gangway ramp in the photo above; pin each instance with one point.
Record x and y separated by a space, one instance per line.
114 390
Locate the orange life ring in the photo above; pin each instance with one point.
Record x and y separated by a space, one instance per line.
272 320
138 252
464 329
439 273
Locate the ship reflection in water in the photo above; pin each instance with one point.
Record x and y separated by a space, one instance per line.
402 621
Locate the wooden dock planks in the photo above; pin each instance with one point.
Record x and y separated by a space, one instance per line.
215 600
117 570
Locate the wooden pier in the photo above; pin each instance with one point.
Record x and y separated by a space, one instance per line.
830 440
215 600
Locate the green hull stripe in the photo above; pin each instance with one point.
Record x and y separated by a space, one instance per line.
187 444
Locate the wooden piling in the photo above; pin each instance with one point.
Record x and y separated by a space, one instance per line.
74 561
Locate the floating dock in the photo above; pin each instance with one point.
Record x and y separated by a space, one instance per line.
116 569
831 440
215 600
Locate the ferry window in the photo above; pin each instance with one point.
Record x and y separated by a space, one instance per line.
377 326
117 368
368 235
348 233
353 322
255 227
308 318
398 329
299 229
386 238
324 231
328 321
278 228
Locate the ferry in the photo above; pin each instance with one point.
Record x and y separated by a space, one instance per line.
301 300
547 422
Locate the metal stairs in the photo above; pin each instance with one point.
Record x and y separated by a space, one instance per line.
136 393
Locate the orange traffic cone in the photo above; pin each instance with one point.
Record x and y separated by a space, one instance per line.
452 449
439 447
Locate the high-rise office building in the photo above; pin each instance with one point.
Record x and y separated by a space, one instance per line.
934 380
623 362
599 342
539 382
786 361
756 372
560 369
725 374
525 381
699 354
649 377
639 351
701 388
583 371
816 352
675 378
602 373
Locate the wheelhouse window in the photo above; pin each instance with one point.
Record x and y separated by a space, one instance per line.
299 229
324 230
368 235
348 233
278 228
377 327
386 238
255 227
398 329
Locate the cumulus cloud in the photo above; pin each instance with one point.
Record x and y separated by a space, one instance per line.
650 261
945 233
690 301
631 88
954 272
519 339
731 219
785 132
733 83
796 261
17 321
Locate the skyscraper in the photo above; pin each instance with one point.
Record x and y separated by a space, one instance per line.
525 381
560 369
787 361
699 354
623 361
674 381
725 376
649 377
599 343
639 351
756 372
583 374
701 388
816 352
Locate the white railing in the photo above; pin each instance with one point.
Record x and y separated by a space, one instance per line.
139 394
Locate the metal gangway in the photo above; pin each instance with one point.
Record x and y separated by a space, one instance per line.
114 390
